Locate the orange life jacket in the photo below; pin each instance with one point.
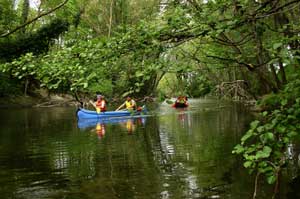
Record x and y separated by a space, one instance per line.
101 105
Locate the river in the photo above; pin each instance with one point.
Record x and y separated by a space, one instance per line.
170 153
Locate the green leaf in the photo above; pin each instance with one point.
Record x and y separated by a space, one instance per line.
91 76
271 179
139 74
265 113
249 134
277 45
292 134
265 153
286 140
280 129
284 102
270 136
238 149
254 124
262 164
267 137
85 85
247 164
260 129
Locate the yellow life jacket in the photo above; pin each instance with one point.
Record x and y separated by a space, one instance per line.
129 104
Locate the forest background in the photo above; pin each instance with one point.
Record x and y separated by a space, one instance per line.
238 49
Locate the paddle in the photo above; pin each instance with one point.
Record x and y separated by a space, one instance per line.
94 105
168 101
133 111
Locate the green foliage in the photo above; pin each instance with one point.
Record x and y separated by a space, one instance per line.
168 85
75 68
9 86
7 15
114 50
21 68
199 86
264 144
269 102
36 43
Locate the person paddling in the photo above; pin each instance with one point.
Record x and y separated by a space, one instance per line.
129 104
100 104
181 102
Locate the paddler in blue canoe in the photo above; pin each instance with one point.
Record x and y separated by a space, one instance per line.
129 104
99 104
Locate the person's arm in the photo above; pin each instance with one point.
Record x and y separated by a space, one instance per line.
134 105
120 106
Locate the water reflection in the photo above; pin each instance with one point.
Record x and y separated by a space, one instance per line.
177 153
100 130
182 114
196 144
99 125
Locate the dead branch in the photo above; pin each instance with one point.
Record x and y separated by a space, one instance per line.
236 90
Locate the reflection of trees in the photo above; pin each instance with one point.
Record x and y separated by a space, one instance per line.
164 158
125 165
202 147
39 154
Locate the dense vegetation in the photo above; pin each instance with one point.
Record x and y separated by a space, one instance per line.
239 49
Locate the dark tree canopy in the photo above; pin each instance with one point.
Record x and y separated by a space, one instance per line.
37 42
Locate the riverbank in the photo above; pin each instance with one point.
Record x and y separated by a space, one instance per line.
66 100
33 101
54 100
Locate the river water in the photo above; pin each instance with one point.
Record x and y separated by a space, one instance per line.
171 153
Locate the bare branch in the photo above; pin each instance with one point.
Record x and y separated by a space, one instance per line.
278 9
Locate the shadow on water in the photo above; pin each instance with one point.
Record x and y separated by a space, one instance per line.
173 153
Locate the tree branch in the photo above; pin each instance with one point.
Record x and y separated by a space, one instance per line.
34 19
249 66
274 11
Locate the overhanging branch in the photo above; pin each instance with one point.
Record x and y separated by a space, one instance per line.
34 19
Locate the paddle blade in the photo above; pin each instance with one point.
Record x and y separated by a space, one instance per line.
169 101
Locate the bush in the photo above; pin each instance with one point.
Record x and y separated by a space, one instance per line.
9 86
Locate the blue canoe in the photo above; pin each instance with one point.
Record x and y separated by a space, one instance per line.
88 114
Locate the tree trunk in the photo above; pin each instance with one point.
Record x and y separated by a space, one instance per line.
279 23
25 12
277 185
262 71
265 82
282 72
282 20
278 83
26 86
38 12
247 83
256 185
110 17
